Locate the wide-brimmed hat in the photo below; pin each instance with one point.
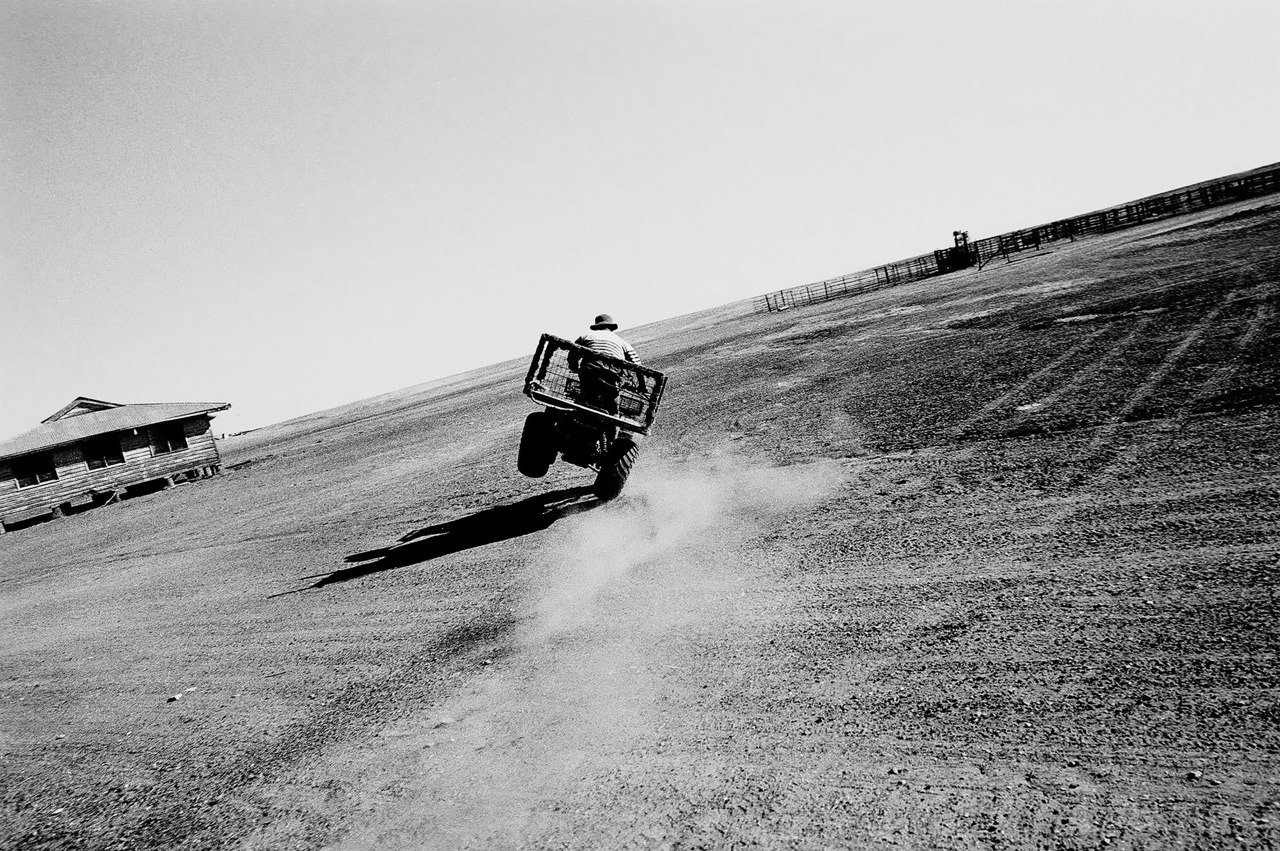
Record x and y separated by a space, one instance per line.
604 320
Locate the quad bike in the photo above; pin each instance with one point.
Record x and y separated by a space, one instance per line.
598 409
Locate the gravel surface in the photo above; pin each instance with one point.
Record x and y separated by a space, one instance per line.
983 561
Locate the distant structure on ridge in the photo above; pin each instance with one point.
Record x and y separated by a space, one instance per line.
966 253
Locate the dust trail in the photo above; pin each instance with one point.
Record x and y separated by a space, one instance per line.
668 510
619 586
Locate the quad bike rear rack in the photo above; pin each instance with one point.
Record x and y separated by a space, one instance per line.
552 382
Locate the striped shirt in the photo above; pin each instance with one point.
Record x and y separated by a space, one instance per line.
605 342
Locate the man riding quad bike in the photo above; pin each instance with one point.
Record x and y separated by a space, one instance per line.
598 408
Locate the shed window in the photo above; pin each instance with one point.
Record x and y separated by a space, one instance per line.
103 452
167 437
34 470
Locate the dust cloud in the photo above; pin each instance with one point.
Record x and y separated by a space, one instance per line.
621 588
671 513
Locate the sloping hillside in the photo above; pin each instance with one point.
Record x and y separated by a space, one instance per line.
986 560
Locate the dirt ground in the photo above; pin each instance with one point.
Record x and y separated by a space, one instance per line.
983 561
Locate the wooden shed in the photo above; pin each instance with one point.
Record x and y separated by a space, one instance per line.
92 452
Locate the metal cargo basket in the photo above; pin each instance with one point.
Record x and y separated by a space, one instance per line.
552 381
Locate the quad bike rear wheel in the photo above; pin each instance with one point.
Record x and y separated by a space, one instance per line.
615 469
537 445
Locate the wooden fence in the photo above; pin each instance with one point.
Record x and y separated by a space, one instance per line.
1188 199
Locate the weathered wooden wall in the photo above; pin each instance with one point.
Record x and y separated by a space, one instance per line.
75 479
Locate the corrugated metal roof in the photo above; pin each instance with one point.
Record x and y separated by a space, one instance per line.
71 429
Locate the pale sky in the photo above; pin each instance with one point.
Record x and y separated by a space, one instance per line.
292 205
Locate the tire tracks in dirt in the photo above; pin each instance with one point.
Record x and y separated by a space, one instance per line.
1080 377
1263 314
1100 458
1099 446
959 430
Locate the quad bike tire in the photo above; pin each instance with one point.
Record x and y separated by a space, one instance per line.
613 473
537 445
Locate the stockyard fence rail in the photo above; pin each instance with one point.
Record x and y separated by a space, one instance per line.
1188 199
